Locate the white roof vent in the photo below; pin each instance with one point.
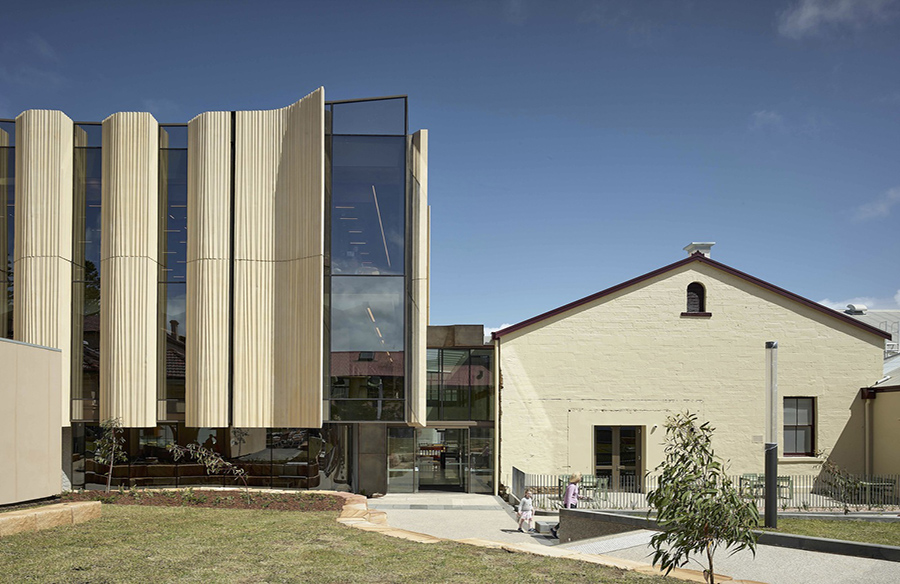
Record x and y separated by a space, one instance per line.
701 246
856 309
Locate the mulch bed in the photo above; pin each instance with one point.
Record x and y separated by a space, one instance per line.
225 499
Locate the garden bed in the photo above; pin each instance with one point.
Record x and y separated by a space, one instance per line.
219 499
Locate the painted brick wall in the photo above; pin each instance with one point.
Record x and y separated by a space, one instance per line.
630 358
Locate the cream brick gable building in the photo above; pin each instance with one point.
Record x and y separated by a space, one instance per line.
587 387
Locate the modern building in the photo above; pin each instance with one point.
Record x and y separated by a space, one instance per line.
588 386
253 281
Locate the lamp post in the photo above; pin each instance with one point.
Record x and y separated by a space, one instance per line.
771 517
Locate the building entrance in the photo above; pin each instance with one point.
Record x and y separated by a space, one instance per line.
440 459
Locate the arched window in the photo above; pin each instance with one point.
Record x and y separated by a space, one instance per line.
696 297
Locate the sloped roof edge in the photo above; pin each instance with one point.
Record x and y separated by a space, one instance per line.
696 257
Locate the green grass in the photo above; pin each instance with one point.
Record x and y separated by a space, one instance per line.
173 544
862 531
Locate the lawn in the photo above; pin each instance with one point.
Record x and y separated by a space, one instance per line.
862 531
182 544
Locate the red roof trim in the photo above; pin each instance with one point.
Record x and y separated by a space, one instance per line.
696 257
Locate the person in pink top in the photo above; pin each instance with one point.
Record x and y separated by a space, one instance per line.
570 498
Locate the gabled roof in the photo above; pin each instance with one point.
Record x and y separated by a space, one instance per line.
699 258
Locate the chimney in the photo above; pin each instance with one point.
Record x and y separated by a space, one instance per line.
699 246
174 324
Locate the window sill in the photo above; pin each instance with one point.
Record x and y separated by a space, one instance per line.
696 314
799 459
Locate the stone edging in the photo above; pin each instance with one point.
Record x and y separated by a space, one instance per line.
356 514
37 518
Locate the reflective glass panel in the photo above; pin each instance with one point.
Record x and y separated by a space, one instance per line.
172 300
173 214
86 277
481 455
790 412
7 225
603 445
401 460
367 410
383 116
482 383
455 392
628 446
88 135
367 314
173 136
433 380
368 205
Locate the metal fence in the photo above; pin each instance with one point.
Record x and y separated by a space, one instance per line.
825 491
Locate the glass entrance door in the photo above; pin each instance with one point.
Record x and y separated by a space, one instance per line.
401 460
617 456
441 459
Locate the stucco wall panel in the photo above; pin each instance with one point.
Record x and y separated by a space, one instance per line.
635 346
208 270
30 431
43 236
129 269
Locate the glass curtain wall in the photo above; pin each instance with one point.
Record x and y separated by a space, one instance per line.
86 273
295 458
7 223
460 385
173 164
366 268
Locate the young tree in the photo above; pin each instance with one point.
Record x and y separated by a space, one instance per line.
698 508
212 461
110 447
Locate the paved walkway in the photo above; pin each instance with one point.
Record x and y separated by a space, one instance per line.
774 565
461 516
456 516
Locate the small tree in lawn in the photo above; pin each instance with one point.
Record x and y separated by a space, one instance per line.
212 461
110 447
698 508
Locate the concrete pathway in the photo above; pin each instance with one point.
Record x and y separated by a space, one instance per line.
460 516
456 516
774 565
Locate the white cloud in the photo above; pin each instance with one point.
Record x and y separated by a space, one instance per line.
880 207
40 47
492 329
767 120
869 301
516 11
32 63
164 110
816 17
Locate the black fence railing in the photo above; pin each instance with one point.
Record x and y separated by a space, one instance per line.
825 491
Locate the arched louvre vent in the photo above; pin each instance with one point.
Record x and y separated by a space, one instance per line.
696 298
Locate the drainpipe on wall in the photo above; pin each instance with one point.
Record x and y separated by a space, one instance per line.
496 374
867 437
771 516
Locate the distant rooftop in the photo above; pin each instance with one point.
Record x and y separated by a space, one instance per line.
886 320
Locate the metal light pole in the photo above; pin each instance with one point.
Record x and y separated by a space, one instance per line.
771 434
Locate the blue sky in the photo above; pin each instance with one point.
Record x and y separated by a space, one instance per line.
574 145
